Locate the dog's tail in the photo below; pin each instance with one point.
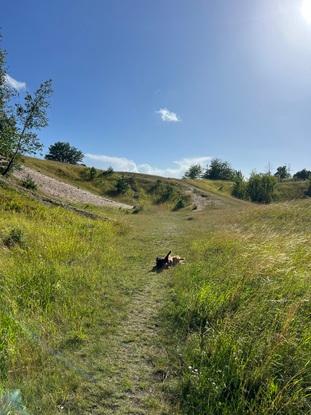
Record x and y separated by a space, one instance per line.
166 258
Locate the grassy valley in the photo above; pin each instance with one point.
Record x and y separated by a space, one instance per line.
86 328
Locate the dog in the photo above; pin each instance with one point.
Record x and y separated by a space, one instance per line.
168 261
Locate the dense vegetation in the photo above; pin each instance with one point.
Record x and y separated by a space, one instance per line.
64 153
241 311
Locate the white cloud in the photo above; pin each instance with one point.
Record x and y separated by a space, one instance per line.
117 163
168 116
13 83
177 170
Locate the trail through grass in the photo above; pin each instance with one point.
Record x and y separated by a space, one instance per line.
87 329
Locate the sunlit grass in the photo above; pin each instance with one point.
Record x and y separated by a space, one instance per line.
241 310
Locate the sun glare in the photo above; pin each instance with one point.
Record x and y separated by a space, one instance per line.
306 10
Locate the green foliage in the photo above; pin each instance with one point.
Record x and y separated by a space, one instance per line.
29 183
194 172
15 237
239 189
180 204
7 121
282 173
240 312
64 153
261 187
122 185
308 191
90 173
219 170
28 118
303 174
54 293
108 172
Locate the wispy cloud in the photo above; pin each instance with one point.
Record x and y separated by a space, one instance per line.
13 83
167 115
177 169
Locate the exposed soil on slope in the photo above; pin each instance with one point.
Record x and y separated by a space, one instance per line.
61 190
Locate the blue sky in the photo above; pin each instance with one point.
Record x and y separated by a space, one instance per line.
153 85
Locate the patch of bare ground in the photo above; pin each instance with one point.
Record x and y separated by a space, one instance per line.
65 191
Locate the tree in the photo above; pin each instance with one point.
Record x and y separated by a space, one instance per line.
219 170
282 173
308 191
29 118
260 187
239 189
194 172
65 153
7 122
303 174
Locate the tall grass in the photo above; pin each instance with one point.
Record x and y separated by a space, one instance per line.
59 284
241 312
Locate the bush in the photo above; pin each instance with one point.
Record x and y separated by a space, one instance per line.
239 189
261 187
15 237
29 183
122 185
92 173
308 191
180 204
108 172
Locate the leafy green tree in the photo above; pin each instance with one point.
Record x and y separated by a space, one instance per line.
65 153
261 187
7 122
239 189
194 172
219 170
282 173
303 174
29 118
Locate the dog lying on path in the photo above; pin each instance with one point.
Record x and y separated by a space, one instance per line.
167 261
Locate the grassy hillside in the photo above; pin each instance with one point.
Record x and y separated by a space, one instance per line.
86 328
290 190
59 277
142 189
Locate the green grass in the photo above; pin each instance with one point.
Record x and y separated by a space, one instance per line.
143 189
290 190
241 314
232 325
59 279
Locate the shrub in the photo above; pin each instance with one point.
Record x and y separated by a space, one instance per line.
108 172
308 191
239 189
15 237
92 173
29 183
180 204
122 185
261 187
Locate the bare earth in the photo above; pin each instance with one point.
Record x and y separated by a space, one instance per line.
67 192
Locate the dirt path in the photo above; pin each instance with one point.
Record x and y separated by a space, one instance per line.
128 374
64 191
